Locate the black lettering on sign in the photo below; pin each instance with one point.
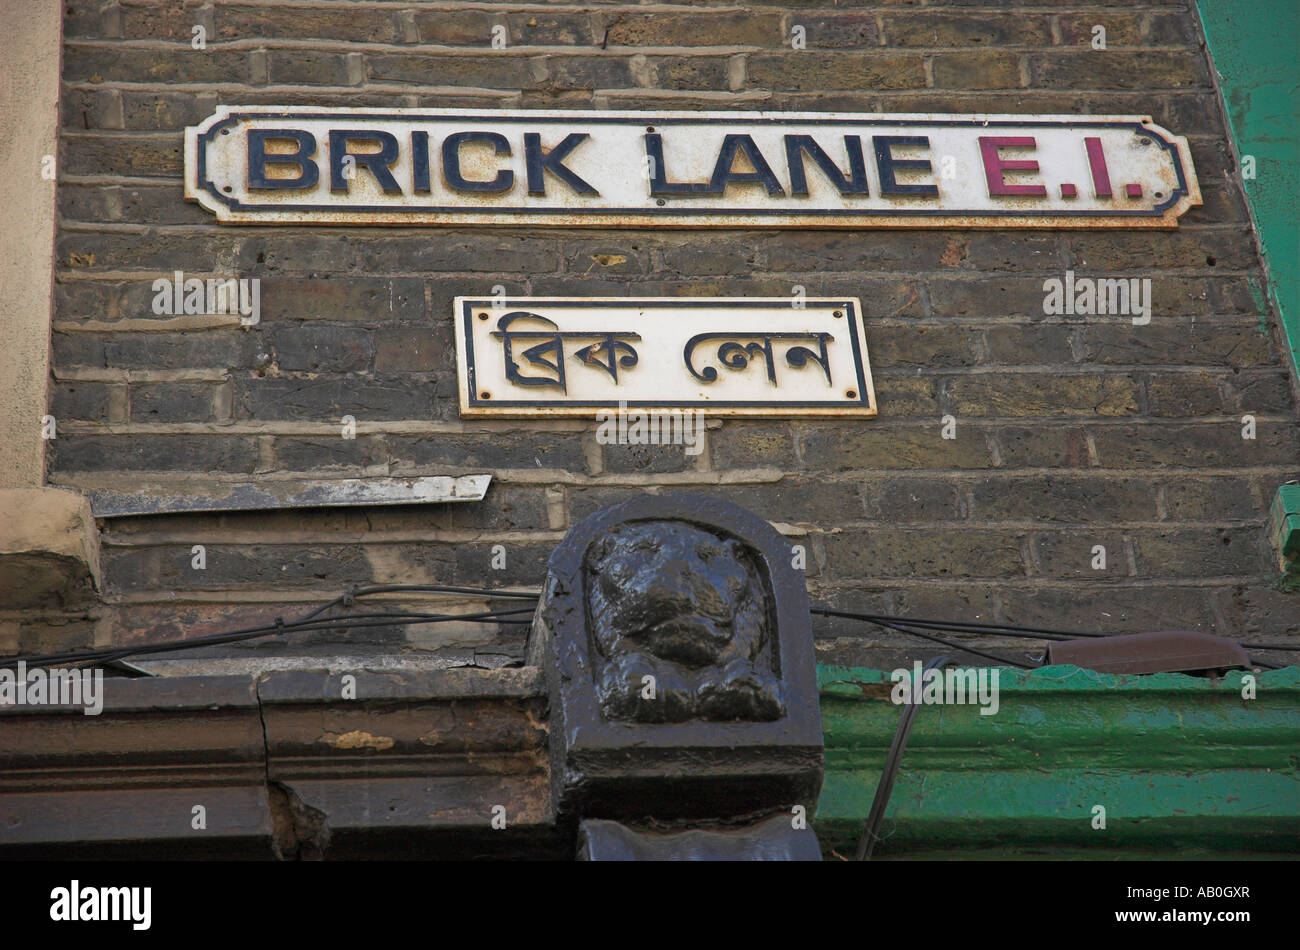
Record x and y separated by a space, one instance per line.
420 163
308 173
855 183
377 163
505 178
540 162
659 183
724 174
887 164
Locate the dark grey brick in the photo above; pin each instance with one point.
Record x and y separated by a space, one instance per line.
489 451
172 402
328 398
139 452
322 348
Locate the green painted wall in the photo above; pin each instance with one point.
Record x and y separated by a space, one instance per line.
1255 46
1184 767
1284 524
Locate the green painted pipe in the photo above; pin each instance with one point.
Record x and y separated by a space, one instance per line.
1181 766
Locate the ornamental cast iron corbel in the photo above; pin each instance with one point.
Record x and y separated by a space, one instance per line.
678 653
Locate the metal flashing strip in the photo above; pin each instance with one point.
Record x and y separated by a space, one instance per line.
273 494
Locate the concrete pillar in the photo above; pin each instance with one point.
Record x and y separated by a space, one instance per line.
48 545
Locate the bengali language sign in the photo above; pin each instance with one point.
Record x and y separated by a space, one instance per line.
539 356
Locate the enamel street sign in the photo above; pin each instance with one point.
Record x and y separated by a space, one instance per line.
555 356
272 164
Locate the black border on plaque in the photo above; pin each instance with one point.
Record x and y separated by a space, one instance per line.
851 314
676 211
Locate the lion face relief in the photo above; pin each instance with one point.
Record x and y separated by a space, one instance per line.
678 604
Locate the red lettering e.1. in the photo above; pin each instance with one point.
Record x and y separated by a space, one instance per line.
995 165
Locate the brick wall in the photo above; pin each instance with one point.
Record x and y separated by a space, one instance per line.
1071 431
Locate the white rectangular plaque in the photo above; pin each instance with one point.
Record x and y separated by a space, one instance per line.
296 164
572 356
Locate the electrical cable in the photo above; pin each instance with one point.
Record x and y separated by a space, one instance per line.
312 620
901 628
382 619
1027 633
441 589
1007 629
871 829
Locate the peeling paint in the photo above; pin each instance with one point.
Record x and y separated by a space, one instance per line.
357 739
272 494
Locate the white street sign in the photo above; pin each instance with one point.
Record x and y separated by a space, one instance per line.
540 356
272 164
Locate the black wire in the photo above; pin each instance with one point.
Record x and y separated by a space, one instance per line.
1028 633
441 589
912 626
307 622
377 619
904 627
1000 627
954 626
958 646
326 623
871 828
341 599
